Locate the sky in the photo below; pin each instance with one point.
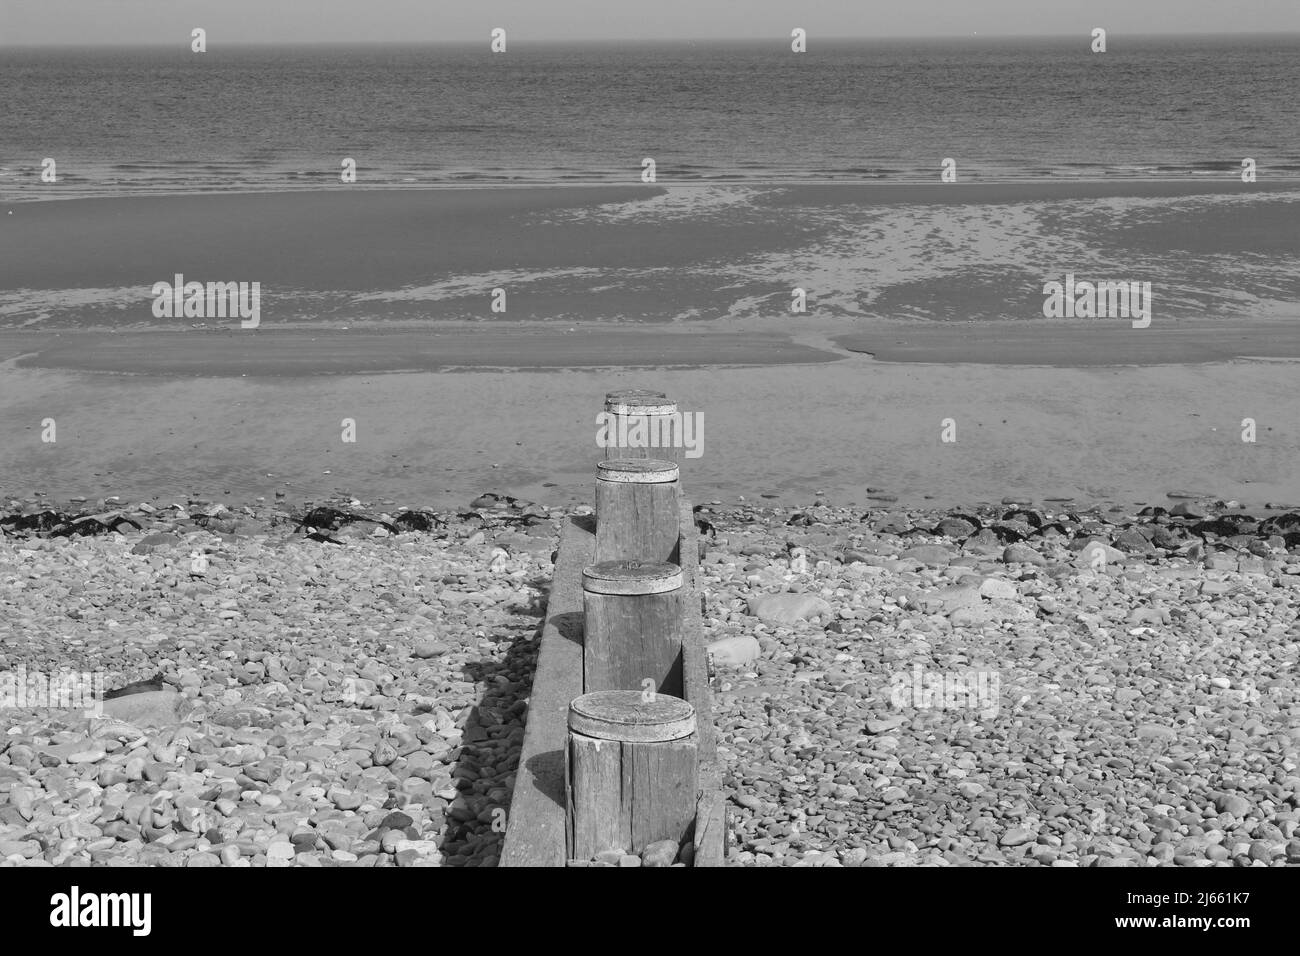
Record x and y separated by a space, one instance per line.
94 22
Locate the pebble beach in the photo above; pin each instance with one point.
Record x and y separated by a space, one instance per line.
1042 684
352 696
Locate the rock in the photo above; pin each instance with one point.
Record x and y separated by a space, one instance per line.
953 527
1017 838
426 850
990 612
1132 541
160 708
1022 554
344 800
999 589
1095 553
89 755
883 725
1232 803
951 598
1167 538
931 555
280 854
1156 732
787 608
734 651
661 853
426 650
155 542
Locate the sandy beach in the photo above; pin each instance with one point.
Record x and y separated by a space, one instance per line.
787 419
377 308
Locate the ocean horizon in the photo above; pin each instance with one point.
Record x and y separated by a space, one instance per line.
149 120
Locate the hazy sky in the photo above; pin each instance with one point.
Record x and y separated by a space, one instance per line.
245 21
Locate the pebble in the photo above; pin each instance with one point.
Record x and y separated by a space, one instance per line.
660 853
1098 726
1128 716
786 608
734 651
305 686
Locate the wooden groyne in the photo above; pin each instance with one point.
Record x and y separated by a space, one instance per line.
617 625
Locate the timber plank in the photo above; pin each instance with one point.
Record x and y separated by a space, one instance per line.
710 820
535 830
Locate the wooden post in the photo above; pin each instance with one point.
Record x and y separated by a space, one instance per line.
642 424
620 396
632 627
637 510
632 774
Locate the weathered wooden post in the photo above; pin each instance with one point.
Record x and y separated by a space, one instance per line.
642 424
631 772
637 510
627 763
633 619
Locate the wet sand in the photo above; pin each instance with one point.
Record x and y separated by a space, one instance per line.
831 430
795 406
639 253
282 353
1077 344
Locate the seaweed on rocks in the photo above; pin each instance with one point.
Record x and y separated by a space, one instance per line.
40 522
326 519
322 537
1032 518
1280 524
89 525
1006 534
419 521
60 525
145 686
1052 527
528 520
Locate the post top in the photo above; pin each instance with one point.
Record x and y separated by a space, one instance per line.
631 577
647 471
640 405
635 396
631 716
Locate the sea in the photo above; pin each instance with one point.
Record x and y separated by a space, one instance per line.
130 121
